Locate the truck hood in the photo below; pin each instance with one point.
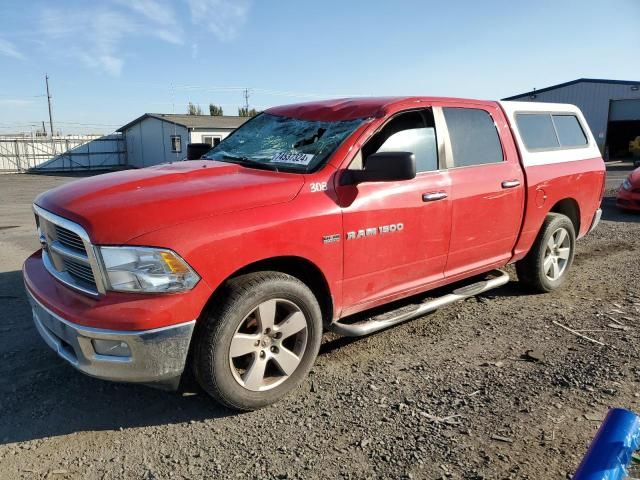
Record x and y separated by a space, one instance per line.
117 207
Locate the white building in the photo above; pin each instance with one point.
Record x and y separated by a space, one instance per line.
156 138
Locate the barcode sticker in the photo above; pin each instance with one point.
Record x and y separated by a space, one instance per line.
292 157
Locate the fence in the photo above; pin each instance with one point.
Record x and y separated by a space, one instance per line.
69 153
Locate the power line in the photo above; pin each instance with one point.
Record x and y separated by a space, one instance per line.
18 97
266 91
37 123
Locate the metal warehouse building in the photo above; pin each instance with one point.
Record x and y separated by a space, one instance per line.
155 138
611 107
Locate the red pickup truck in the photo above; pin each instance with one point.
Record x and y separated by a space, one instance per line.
233 265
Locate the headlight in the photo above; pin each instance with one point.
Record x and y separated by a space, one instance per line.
141 269
626 184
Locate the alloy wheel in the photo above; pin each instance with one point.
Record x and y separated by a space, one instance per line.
557 253
268 345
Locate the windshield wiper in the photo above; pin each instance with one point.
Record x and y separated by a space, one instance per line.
248 162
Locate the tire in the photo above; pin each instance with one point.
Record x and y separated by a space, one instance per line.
546 266
246 356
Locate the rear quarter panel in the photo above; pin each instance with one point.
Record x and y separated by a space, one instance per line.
547 185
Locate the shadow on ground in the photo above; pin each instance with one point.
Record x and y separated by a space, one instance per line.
612 213
42 396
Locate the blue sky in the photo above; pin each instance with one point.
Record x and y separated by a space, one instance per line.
109 61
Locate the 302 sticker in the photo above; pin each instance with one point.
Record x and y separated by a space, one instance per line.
318 186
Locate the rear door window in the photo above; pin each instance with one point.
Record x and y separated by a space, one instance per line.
474 137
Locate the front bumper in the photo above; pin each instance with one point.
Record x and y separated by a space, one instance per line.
157 356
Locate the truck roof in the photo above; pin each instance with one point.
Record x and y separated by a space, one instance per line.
351 108
364 107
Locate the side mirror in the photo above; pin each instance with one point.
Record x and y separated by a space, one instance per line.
384 167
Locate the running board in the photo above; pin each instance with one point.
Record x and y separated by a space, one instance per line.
366 327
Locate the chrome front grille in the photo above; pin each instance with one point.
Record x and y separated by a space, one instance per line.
79 271
69 239
67 252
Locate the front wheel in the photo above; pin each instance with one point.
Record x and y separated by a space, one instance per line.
260 342
546 265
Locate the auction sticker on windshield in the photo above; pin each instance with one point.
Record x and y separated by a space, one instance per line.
293 158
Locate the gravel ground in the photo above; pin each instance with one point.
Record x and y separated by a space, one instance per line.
487 388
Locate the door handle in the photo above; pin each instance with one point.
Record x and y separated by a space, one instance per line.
510 183
433 196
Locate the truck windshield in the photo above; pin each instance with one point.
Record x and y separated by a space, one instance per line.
274 142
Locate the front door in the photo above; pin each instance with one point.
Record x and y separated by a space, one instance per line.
396 234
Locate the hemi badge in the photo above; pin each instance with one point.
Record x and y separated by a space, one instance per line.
331 238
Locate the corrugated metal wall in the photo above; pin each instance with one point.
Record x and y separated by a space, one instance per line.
73 152
591 98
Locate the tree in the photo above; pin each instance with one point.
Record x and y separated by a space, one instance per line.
245 112
215 110
194 109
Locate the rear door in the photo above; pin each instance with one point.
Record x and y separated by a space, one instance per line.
487 187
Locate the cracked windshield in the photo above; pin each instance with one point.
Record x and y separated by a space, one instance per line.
274 142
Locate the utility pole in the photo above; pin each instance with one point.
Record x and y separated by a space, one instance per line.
44 130
46 79
246 99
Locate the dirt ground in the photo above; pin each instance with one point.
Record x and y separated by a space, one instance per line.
487 388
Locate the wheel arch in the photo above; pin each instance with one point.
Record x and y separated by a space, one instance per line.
569 208
301 268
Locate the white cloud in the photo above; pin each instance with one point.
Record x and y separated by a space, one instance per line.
224 18
97 37
161 14
9 49
157 11
92 37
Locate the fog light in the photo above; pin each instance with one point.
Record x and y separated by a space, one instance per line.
115 348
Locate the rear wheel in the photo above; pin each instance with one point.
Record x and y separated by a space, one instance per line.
260 342
546 265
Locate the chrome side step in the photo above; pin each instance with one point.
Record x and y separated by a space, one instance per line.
365 327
